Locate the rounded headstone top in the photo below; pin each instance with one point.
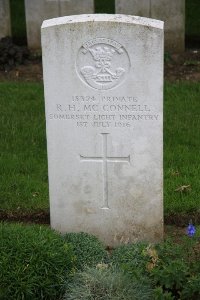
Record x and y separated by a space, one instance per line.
117 18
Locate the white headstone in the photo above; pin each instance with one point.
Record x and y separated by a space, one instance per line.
39 10
103 77
133 7
5 26
172 12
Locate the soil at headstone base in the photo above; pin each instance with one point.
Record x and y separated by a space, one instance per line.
185 66
175 225
43 217
38 217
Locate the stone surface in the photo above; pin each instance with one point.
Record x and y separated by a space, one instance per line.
39 10
5 27
133 7
172 12
103 77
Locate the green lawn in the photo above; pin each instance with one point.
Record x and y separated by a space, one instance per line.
23 157
182 147
23 162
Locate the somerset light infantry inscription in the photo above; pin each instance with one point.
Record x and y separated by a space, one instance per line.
103 79
104 159
103 112
102 63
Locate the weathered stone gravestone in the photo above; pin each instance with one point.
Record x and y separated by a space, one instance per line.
172 12
5 27
103 77
39 10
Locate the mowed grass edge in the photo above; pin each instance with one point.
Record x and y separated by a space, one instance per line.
23 155
182 147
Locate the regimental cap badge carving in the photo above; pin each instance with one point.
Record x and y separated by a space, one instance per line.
102 63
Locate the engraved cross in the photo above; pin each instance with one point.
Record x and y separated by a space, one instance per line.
104 159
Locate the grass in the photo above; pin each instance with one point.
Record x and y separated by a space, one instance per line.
181 147
88 250
35 262
38 263
23 160
23 157
107 284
